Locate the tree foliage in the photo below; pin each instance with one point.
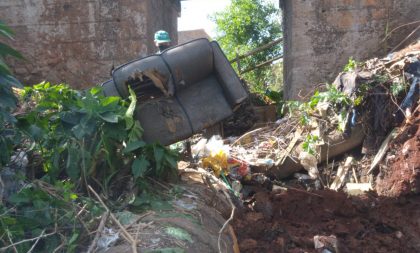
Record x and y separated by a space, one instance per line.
245 25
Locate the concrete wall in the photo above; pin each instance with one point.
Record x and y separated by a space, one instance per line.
78 41
321 35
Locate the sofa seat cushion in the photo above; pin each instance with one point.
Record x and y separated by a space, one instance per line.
204 103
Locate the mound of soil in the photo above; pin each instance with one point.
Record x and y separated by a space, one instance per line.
400 173
288 222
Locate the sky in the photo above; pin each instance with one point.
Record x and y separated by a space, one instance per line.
194 14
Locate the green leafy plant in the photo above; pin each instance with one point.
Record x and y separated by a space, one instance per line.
310 143
351 65
397 88
8 101
90 138
339 102
50 213
332 95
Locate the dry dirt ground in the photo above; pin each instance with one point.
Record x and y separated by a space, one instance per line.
388 222
288 222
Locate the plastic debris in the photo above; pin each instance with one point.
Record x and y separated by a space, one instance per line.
265 162
198 149
217 158
237 187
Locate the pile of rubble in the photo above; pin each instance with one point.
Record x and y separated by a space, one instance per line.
355 119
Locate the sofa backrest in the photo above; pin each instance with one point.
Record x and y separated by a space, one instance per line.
190 62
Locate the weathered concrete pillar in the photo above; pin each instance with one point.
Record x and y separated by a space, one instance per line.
78 41
321 35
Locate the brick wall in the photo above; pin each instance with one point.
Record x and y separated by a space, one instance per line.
78 41
321 35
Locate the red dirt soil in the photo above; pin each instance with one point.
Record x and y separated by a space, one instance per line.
401 175
288 221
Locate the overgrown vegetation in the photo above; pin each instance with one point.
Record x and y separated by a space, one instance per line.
75 140
246 25
8 100
338 110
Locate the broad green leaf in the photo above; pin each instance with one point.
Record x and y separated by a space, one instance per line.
70 117
110 117
159 152
110 101
10 81
73 163
86 127
5 151
133 102
6 30
95 90
7 50
130 111
7 101
134 146
73 238
79 131
172 161
136 132
140 167
36 132
4 69
19 198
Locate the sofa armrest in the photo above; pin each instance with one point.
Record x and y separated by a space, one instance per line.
122 74
227 77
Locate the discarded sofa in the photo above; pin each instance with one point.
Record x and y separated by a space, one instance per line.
181 91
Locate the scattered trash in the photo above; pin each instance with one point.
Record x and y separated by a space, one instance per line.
216 156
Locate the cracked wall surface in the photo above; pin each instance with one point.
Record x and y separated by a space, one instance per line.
78 41
321 35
